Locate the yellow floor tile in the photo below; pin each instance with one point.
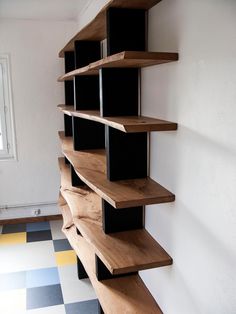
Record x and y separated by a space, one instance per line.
13 302
13 238
65 257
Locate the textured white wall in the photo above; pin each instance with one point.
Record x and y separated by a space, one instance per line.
198 162
33 47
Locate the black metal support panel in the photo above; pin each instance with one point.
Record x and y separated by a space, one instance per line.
126 30
119 90
81 271
116 220
86 92
75 180
67 162
100 310
86 52
88 134
69 58
68 125
103 273
126 154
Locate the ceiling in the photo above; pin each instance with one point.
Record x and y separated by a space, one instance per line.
65 10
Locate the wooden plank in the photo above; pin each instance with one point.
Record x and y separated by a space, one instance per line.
96 29
121 252
90 167
119 295
11 221
124 59
129 124
84 203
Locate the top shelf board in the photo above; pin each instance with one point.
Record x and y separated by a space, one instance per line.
124 59
129 124
96 29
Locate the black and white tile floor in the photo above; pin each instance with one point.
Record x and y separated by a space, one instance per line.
38 272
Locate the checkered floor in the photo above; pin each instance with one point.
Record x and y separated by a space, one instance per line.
38 272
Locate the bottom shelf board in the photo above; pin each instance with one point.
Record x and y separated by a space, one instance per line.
119 295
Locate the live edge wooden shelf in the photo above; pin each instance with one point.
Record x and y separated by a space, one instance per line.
90 167
125 59
121 252
96 29
128 124
118 295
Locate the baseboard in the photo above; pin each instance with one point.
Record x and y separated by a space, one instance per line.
29 219
33 212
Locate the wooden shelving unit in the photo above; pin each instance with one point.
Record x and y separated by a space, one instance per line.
125 59
128 124
104 179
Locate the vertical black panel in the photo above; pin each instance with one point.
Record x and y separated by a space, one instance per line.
126 154
119 90
126 30
66 161
69 93
86 92
88 134
103 273
86 52
68 125
75 180
82 274
69 59
116 220
100 310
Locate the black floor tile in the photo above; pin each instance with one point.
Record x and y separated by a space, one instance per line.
61 245
85 307
14 228
43 297
39 236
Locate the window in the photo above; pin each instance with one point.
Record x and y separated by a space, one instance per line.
7 138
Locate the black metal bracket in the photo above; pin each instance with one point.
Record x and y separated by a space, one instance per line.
126 154
68 125
75 180
88 134
119 92
82 274
103 273
69 59
126 30
86 51
86 92
117 220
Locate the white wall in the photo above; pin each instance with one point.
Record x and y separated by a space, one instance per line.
33 47
198 162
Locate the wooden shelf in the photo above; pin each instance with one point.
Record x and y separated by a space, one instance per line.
119 295
96 29
121 252
125 59
129 124
90 167
85 203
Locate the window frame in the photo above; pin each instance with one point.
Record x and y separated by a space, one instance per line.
6 111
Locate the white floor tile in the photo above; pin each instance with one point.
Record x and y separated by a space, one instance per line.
13 301
56 226
27 256
57 309
73 289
